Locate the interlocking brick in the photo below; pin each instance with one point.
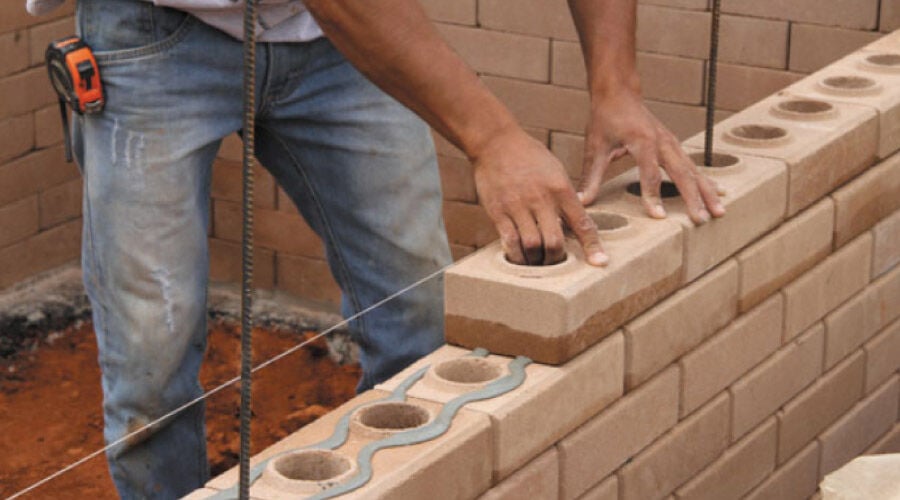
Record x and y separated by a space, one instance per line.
744 465
457 179
753 41
655 33
889 19
721 360
15 47
882 356
776 381
785 253
607 490
681 119
886 253
569 148
539 479
33 173
458 11
798 478
679 455
60 203
889 443
827 285
740 86
468 224
860 427
14 16
227 184
16 137
273 229
460 251
814 47
306 277
889 43
45 250
546 18
225 264
859 14
541 105
850 325
886 291
607 441
866 200
501 54
19 220
32 90
550 403
41 35
814 409
551 313
678 324
48 129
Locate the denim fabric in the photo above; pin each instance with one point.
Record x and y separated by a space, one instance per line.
360 167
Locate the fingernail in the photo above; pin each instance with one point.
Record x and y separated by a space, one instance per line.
719 208
598 259
659 211
580 196
704 215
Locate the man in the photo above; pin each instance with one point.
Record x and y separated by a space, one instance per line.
360 167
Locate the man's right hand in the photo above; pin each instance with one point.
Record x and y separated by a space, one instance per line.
527 195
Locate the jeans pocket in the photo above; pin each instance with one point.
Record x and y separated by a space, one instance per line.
124 30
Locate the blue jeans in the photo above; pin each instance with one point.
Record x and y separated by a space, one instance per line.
359 166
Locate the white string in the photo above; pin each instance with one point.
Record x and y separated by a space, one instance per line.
219 388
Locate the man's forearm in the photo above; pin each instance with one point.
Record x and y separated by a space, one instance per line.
607 32
394 44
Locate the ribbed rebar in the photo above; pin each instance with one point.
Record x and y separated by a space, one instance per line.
711 83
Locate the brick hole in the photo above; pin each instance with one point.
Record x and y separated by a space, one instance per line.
759 132
541 264
312 465
668 189
393 416
608 221
468 371
891 60
805 106
848 82
719 160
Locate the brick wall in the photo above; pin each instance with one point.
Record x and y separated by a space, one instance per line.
526 51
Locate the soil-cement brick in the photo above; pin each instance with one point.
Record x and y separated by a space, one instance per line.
537 480
607 490
889 443
867 199
798 478
882 356
850 325
886 253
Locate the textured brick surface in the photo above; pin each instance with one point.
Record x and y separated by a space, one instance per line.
889 443
14 16
47 127
607 490
468 224
15 48
227 184
679 455
16 136
813 47
19 220
798 478
886 290
43 251
851 324
817 407
860 14
502 54
889 19
725 357
776 381
307 277
882 356
866 200
541 105
655 33
740 86
458 11
753 41
604 443
41 35
678 324
546 18
32 90
273 229
225 264
457 179
60 203
539 479
887 245
33 173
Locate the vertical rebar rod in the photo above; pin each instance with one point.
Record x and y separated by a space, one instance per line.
711 83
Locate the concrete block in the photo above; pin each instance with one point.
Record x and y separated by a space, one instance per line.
539 479
866 200
454 465
607 490
551 402
814 409
863 78
552 313
785 253
679 455
717 363
827 285
798 478
776 381
814 47
744 465
823 143
882 356
678 324
754 200
887 245
849 326
610 439
859 428
889 443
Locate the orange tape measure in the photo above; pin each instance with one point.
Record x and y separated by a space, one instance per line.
76 79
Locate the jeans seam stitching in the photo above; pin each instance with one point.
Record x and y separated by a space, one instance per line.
155 48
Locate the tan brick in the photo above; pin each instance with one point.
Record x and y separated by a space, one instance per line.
827 285
41 252
680 323
744 465
814 409
607 490
866 200
610 439
545 18
14 16
539 479
655 33
540 105
273 229
15 49
889 19
567 67
860 14
814 47
859 428
41 35
886 253
882 356
753 42
776 381
457 179
306 277
48 129
457 11
679 455
16 137
681 119
553 400
460 251
569 148
32 90
886 290
798 478
850 325
19 220
741 86
34 172
714 365
889 443
468 224
501 54
227 184
225 264
61 203
785 253
200 494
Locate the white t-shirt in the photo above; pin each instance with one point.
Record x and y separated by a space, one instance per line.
278 20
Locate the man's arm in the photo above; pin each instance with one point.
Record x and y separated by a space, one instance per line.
621 124
523 187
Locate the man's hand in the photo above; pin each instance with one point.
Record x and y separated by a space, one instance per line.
621 124
527 195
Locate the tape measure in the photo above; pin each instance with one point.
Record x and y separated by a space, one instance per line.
76 78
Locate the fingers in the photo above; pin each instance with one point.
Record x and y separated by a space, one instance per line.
509 240
596 160
651 179
552 237
685 176
584 228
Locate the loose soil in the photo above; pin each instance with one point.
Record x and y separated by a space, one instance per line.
50 405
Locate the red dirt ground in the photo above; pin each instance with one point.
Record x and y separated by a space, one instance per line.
50 414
